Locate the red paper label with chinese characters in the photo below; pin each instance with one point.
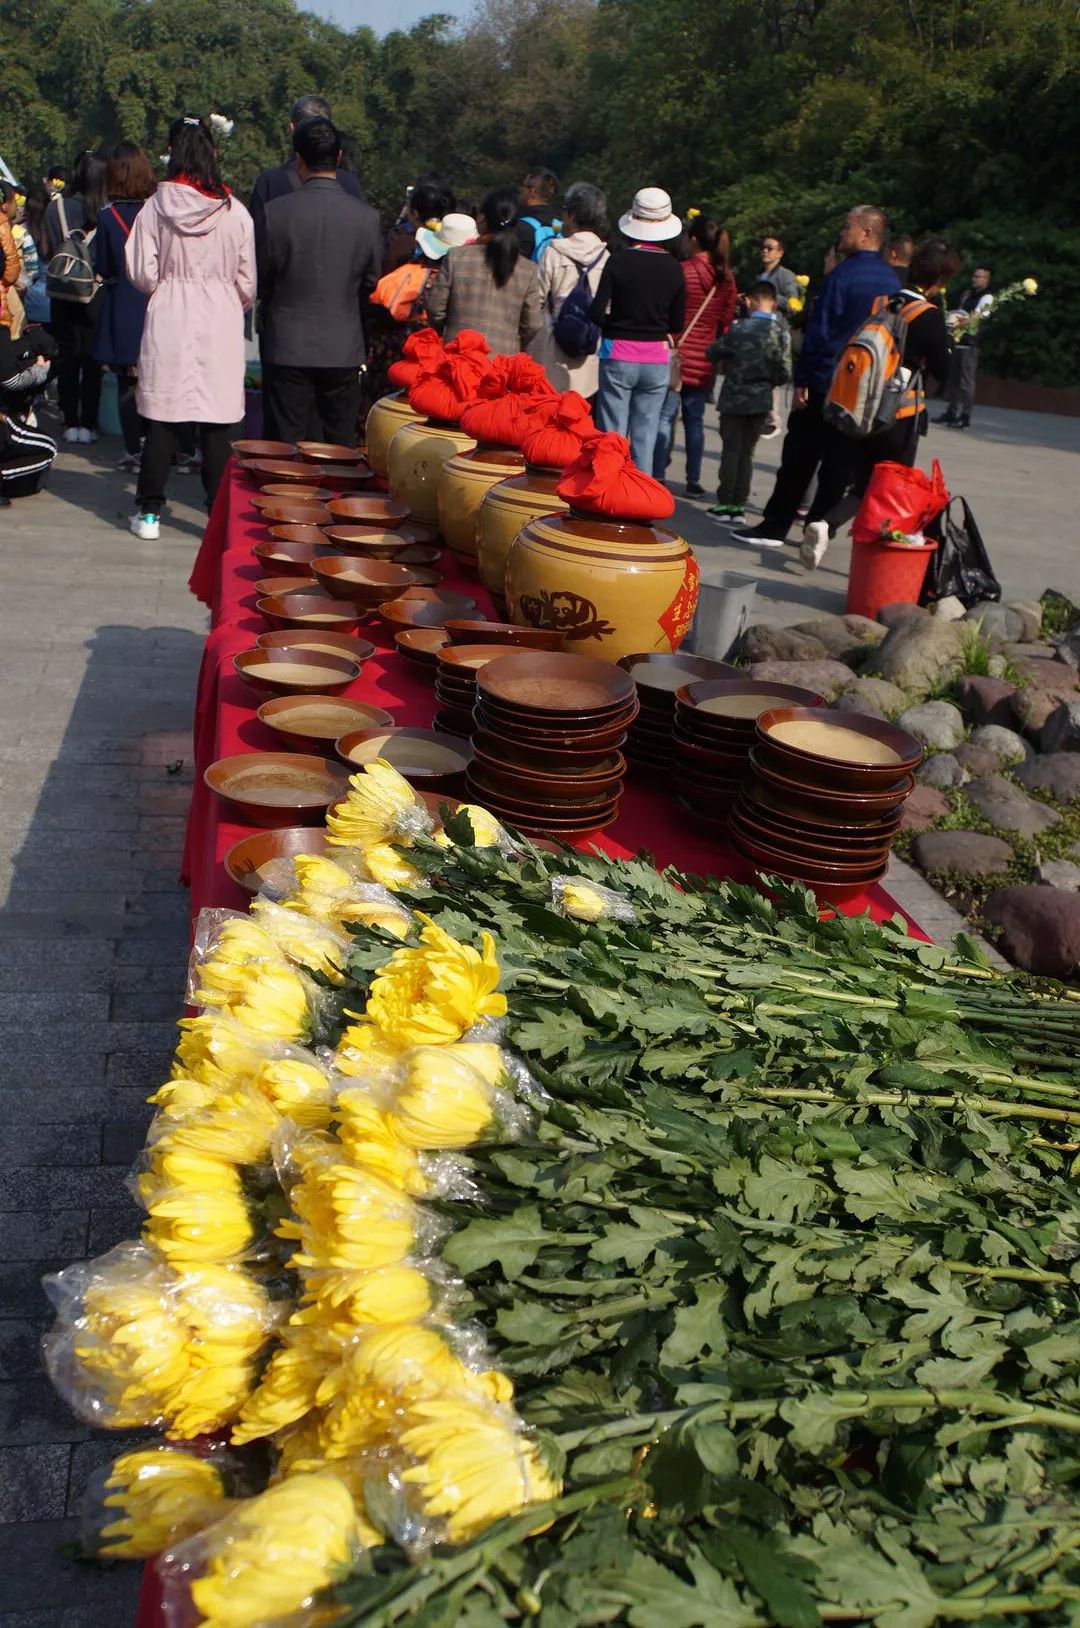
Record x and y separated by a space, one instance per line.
680 613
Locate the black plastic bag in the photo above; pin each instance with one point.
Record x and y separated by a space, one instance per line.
960 567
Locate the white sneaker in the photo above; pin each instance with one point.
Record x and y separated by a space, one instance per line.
86 436
756 536
815 544
146 527
72 435
771 429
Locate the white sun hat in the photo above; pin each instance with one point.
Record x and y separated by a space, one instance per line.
650 218
454 232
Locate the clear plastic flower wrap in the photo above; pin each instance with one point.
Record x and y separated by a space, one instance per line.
379 807
150 1498
330 891
267 1559
137 1343
484 828
312 943
431 993
582 900
237 969
200 1210
432 1098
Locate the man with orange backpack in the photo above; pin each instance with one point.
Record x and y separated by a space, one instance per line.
811 445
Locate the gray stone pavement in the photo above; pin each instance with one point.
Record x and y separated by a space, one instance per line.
100 645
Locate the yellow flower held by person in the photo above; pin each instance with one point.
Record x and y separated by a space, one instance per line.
436 992
794 305
154 1497
802 279
473 1465
380 807
1030 286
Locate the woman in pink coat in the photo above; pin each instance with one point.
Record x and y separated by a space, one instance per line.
192 249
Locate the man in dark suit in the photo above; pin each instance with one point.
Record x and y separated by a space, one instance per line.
282 178
319 254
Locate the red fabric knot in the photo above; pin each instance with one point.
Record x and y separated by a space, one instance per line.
469 342
442 389
499 413
557 430
604 480
420 349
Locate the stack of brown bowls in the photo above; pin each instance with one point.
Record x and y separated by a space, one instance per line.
548 728
822 803
713 732
456 667
658 674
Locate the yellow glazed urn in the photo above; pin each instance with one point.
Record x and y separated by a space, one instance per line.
463 481
504 510
611 587
383 421
417 453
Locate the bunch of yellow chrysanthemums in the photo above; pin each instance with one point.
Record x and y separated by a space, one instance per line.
369 1383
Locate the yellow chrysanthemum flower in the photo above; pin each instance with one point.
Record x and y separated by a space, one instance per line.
287 1389
486 830
1030 286
794 305
153 1498
444 1102
329 892
434 993
347 1219
267 997
311 944
236 1127
389 1296
369 1140
299 1091
179 1098
272 1553
473 1466
380 807
802 279
383 915
218 1052
389 869
198 1212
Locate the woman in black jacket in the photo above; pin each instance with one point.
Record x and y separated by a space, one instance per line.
129 182
78 374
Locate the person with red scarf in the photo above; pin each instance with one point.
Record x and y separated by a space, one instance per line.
710 308
192 250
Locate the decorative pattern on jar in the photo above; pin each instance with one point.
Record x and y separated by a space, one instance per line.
463 482
417 453
505 509
612 588
383 422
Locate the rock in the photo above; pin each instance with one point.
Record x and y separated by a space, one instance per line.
1031 709
891 616
1024 651
854 703
825 678
763 643
843 641
996 621
1061 731
942 770
1007 746
1055 772
925 805
865 629
976 759
920 654
1040 928
985 700
937 724
1055 677
961 853
878 693
997 665
1068 646
1060 873
1030 614
950 609
1007 808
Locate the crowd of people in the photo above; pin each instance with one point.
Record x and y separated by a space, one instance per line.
107 268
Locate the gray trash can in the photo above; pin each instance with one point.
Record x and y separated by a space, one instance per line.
723 613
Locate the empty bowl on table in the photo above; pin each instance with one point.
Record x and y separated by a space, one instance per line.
272 496
421 645
330 452
384 513
504 633
314 536
543 681
365 582
286 585
824 748
414 531
278 471
425 607
334 644
366 541
289 671
277 788
263 449
425 757
344 478
425 576
659 673
299 513
314 723
263 854
289 558
539 725
734 704
307 610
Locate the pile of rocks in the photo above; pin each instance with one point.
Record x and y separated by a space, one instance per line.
1004 733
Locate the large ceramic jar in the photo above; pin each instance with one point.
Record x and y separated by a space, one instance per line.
417 453
463 481
611 587
505 509
383 421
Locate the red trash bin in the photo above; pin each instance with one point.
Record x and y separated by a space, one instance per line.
886 574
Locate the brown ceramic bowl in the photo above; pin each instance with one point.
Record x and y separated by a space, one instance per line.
307 610
366 542
271 497
686 726
853 807
283 513
329 452
827 892
290 671
495 752
778 827
560 819
800 848
461 659
823 870
706 698
554 744
766 802
414 531
422 554
286 585
277 788
425 757
426 576
311 535
333 644
707 761
505 633
552 682
345 479
542 724
822 769
261 450
365 582
379 511
282 471
314 723
421 645
553 788
287 557
425 607
571 801
248 860
659 673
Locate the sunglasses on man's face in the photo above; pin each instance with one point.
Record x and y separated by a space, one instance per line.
769 244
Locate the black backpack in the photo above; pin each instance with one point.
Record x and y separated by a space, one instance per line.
574 334
960 566
70 273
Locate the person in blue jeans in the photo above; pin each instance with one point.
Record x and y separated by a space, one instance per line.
710 306
640 302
